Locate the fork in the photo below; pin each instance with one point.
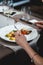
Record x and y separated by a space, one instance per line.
15 27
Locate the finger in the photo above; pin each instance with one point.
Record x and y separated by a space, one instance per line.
40 22
40 26
17 37
19 32
15 33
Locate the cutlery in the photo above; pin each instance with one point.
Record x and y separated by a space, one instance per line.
26 21
15 27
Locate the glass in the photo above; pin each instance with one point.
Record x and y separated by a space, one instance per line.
4 2
10 2
7 2
27 13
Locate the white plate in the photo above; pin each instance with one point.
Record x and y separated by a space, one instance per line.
3 8
5 30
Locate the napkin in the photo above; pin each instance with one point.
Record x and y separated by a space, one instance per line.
33 21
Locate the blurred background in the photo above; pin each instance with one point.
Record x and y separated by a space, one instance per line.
35 6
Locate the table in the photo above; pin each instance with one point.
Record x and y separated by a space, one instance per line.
6 50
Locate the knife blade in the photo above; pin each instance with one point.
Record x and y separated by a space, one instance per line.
23 20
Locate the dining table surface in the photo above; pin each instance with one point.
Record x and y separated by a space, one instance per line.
6 47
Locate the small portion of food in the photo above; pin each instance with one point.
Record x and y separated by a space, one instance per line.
11 35
25 32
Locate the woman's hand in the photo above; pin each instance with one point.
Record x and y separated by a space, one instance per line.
39 24
20 39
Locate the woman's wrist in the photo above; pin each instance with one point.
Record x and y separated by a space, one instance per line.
25 45
29 50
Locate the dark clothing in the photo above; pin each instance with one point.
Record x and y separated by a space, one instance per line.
40 43
18 58
35 2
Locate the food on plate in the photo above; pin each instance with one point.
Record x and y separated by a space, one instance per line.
25 31
11 35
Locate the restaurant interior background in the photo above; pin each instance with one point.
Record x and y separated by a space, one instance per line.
36 6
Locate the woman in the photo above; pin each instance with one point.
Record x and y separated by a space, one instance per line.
21 40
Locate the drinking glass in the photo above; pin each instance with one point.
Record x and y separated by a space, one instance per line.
27 13
4 2
10 2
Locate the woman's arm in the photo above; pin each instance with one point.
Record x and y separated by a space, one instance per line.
38 60
21 40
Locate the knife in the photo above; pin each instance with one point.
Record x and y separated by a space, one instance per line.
23 20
